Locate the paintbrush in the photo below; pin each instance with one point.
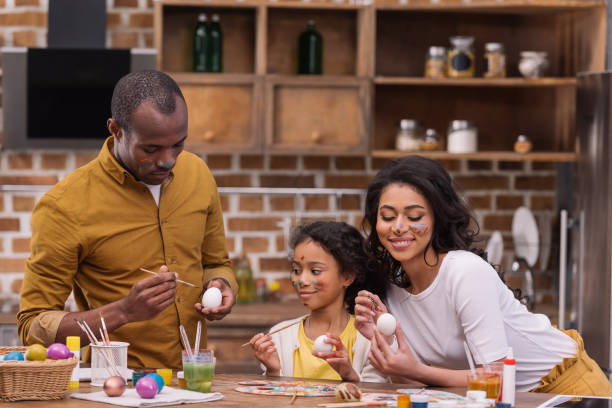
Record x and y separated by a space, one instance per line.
275 331
178 280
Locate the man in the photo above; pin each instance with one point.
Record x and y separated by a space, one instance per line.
143 202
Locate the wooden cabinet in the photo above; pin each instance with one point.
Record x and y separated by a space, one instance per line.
223 111
316 115
373 66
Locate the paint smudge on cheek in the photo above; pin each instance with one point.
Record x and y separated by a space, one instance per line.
317 285
146 163
419 228
296 283
165 165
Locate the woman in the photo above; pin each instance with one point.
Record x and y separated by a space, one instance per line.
444 293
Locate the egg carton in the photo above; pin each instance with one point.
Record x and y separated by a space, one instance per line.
34 380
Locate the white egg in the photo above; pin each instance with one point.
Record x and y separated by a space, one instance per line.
386 324
320 346
211 298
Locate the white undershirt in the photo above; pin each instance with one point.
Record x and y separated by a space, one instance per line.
155 191
468 301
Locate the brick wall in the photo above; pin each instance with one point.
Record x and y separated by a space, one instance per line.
254 224
23 23
258 225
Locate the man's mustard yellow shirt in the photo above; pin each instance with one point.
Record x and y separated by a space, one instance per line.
93 231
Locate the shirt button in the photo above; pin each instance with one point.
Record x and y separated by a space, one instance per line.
171 260
144 190
178 299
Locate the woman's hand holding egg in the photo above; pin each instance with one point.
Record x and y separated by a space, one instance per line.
339 359
401 363
368 307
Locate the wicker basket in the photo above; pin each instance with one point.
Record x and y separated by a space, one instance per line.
34 380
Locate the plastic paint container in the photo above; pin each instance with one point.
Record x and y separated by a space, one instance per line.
419 401
403 401
180 376
137 375
166 374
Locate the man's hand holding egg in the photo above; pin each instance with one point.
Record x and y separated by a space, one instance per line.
217 300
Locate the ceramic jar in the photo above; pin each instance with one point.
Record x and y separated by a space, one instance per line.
533 64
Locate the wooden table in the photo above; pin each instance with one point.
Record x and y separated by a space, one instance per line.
225 383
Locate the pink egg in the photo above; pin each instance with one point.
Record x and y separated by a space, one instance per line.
146 387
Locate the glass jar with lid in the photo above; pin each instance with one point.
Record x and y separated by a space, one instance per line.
432 140
461 57
494 60
462 137
435 65
409 136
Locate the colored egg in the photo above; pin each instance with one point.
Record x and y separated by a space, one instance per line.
114 386
320 346
14 355
158 379
36 352
212 298
146 387
58 351
386 323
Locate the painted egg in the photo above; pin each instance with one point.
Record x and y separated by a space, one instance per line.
13 355
114 386
158 379
146 387
386 324
348 392
320 346
211 298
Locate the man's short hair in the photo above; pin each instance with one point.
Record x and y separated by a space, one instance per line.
137 87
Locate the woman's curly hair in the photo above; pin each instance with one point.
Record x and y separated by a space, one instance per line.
454 228
346 244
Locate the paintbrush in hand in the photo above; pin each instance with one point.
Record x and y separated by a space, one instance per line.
275 331
178 280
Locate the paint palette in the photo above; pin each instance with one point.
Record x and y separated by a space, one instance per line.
289 389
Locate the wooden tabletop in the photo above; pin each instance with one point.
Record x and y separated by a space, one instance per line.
225 383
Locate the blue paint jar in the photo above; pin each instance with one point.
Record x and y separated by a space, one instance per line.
419 401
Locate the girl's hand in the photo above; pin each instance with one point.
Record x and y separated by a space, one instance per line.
265 351
339 360
403 363
368 307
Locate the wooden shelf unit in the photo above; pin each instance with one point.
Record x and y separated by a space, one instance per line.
373 63
484 155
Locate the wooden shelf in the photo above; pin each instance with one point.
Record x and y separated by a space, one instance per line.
504 6
477 82
203 78
485 155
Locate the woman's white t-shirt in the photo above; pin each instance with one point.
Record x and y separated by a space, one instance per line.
468 301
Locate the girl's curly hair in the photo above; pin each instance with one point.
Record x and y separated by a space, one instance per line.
346 244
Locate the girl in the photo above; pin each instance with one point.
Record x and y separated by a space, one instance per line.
328 267
444 293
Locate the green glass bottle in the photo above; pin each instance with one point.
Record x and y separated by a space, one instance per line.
310 51
246 283
215 44
200 45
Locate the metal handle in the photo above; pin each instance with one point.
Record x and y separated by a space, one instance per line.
562 268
